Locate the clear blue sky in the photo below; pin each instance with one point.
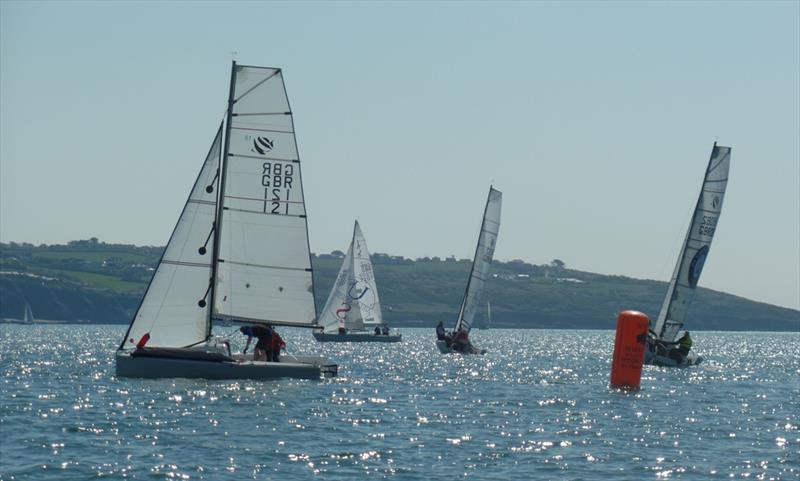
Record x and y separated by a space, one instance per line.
595 119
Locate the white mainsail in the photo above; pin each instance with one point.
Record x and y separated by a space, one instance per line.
695 246
353 301
483 259
28 316
263 262
169 311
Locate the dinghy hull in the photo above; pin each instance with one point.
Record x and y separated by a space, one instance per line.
662 359
357 337
132 365
445 348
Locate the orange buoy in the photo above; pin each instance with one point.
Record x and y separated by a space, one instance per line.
626 366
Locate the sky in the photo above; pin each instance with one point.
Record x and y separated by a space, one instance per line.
595 120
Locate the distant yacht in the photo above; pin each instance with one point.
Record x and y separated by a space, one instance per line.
353 310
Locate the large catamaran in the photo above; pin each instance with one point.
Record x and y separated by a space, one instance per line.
239 252
661 342
487 239
352 312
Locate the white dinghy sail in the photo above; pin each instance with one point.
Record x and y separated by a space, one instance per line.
352 312
694 252
239 251
484 251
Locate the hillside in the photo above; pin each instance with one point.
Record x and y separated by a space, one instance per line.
91 281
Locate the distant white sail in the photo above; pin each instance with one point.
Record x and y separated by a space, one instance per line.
28 317
483 259
169 311
353 302
263 271
696 245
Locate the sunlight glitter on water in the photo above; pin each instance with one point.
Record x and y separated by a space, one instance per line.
537 406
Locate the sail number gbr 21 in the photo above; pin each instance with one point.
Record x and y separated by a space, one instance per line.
276 178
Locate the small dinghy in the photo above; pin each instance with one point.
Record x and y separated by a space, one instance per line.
353 310
458 340
664 345
239 252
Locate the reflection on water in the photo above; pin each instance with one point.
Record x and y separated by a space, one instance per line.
537 406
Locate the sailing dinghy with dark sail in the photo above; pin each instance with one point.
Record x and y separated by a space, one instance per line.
353 310
239 251
458 340
664 347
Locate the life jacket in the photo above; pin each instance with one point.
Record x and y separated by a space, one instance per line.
686 341
277 342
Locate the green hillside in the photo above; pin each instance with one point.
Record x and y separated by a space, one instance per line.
96 282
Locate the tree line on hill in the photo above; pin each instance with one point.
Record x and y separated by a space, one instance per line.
91 281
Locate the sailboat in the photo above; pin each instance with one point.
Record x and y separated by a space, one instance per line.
239 252
662 339
487 238
28 316
352 312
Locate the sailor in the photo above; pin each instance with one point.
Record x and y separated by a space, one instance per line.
441 335
685 344
277 345
261 352
385 330
377 330
461 341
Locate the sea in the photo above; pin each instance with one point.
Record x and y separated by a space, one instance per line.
536 406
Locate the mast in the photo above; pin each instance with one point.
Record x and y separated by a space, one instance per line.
221 200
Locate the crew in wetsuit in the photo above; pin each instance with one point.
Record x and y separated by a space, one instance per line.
461 341
263 349
277 345
441 335
685 344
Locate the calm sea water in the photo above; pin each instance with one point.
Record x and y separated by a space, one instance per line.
536 407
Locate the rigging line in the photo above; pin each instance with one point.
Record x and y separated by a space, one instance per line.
271 159
185 264
262 266
721 160
276 72
263 130
255 199
260 212
243 114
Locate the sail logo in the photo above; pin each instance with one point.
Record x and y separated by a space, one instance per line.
715 202
341 313
262 145
696 266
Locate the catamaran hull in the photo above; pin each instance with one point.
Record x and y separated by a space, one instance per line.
357 337
653 358
445 348
166 367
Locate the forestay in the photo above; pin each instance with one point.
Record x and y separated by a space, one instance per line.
169 311
695 246
483 259
353 301
263 271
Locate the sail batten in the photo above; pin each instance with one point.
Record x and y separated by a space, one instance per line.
696 245
484 251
